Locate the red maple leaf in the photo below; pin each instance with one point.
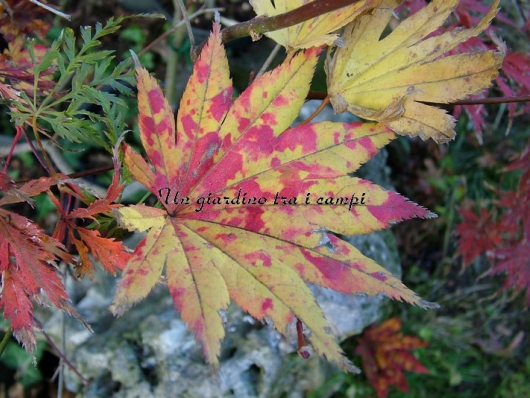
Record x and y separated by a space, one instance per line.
477 234
504 237
513 260
111 254
385 355
28 265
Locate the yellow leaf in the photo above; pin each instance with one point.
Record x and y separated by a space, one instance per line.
140 218
315 32
387 80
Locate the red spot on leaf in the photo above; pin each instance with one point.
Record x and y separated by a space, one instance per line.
226 238
379 276
156 100
301 136
259 258
267 305
190 127
280 101
220 104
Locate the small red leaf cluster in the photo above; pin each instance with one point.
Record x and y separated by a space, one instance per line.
111 254
385 355
29 258
28 262
503 235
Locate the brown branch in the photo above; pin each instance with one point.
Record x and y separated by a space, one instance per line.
90 172
477 101
79 174
485 101
261 24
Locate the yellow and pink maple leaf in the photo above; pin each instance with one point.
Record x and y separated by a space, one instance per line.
251 205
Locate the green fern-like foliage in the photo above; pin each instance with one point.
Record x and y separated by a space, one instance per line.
85 75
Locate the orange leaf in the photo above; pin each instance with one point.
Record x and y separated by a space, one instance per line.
385 356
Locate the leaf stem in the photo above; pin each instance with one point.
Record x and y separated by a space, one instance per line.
5 340
261 24
51 9
475 101
13 145
186 20
494 100
63 357
323 104
45 163
268 60
173 58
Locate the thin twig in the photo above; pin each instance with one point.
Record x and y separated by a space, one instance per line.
13 145
51 9
173 58
186 20
476 101
60 381
260 25
485 101
175 27
66 361
34 150
268 60
323 104
5 340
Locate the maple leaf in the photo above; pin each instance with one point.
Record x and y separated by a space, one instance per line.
503 238
477 234
221 236
111 254
311 33
385 356
515 68
512 260
388 79
28 265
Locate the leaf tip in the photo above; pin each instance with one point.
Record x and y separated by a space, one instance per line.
349 367
430 215
427 305
119 309
217 18
135 59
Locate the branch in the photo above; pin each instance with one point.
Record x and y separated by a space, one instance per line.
495 100
262 24
478 101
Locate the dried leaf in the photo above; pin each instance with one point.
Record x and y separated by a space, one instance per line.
388 79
